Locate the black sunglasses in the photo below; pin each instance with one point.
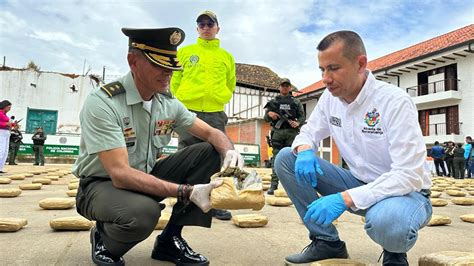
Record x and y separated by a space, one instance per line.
209 24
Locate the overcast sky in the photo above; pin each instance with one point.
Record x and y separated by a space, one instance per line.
58 35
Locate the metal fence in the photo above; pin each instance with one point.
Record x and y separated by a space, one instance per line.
444 129
433 87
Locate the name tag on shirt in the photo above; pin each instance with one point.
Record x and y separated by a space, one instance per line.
336 121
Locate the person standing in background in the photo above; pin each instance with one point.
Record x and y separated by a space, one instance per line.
449 153
206 83
285 115
5 125
468 155
38 144
458 161
437 153
15 142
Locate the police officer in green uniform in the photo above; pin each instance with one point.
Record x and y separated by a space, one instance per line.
125 124
15 142
286 116
38 145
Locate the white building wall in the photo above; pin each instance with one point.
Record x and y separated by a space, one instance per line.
391 80
466 86
408 80
248 103
310 105
47 91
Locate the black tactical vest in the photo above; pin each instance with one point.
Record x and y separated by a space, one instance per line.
285 105
288 104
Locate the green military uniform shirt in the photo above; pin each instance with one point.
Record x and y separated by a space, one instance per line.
115 121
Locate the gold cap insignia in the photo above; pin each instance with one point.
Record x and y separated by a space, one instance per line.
175 37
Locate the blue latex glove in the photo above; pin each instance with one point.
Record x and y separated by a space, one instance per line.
306 166
326 209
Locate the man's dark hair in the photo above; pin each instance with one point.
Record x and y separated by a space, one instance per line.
469 138
436 142
353 44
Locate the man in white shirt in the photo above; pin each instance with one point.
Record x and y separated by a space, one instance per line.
375 127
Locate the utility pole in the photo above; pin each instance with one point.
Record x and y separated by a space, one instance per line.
4 58
103 74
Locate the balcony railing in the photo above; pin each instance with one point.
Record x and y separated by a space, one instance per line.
433 87
443 129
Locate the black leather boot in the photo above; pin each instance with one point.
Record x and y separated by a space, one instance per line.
273 187
176 250
100 254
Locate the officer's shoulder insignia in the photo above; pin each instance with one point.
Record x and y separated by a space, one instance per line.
113 88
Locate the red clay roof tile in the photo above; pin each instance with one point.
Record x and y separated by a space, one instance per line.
435 44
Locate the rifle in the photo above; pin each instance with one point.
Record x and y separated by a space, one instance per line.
283 117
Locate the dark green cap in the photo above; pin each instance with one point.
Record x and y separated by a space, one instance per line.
158 45
285 80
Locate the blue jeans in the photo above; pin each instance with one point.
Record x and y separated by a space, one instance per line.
392 223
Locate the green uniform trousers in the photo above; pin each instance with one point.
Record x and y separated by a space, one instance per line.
125 218
13 151
281 138
39 154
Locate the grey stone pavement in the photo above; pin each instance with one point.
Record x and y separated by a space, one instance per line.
223 244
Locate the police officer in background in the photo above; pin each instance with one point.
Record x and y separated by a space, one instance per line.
38 144
286 116
125 125
206 83
15 142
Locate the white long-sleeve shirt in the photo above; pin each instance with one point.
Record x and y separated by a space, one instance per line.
379 137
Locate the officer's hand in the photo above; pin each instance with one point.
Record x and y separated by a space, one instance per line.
201 194
326 209
273 115
233 159
293 123
306 167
